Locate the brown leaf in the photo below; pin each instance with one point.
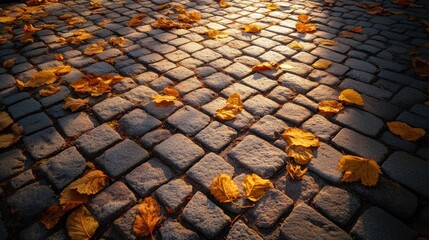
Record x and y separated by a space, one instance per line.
296 136
29 28
405 131
5 120
119 41
351 96
75 104
7 140
328 42
42 78
49 90
265 66
81 225
322 64
51 216
345 34
9 63
134 22
93 49
359 169
295 171
171 91
301 155
357 29
96 4
232 108
59 57
222 3
252 28
95 84
70 198
163 100
420 67
91 183
147 217
255 187
75 20
330 106
224 189
305 27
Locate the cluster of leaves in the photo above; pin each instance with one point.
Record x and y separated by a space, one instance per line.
232 108
213 33
10 132
170 95
44 77
347 96
94 84
184 19
79 36
303 25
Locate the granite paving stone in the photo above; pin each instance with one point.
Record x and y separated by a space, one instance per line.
218 81
259 82
13 162
173 230
325 163
216 136
189 120
75 124
22 179
111 108
240 231
44 143
138 122
300 113
407 97
269 127
23 108
161 112
365 88
174 194
93 142
35 122
260 106
359 120
296 83
124 224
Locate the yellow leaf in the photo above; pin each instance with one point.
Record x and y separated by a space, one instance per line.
91 183
301 155
163 99
232 108
252 28
148 215
351 96
5 120
95 84
96 4
255 186
328 42
75 104
81 225
296 136
420 67
76 20
222 3
61 70
224 189
322 64
59 57
20 84
52 216
265 66
305 27
303 18
9 63
7 19
296 45
48 26
70 198
330 106
42 78
49 90
359 169
93 49
272 6
194 16
405 131
213 33
295 171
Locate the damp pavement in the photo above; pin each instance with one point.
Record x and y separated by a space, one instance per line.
172 153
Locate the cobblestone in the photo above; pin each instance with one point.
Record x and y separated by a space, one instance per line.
301 115
173 230
189 120
12 163
296 83
96 140
240 231
44 143
359 120
111 108
174 194
75 124
137 122
35 122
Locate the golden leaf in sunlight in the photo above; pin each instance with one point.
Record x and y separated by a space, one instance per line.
328 42
330 107
164 23
49 90
29 28
9 63
75 20
163 99
78 37
305 27
357 29
322 64
75 104
255 187
405 131
252 28
91 183
345 34
359 169
7 19
61 70
213 33
301 155
93 49
5 120
295 45
232 108
96 4
222 3
189 17
295 171
272 6
119 41
41 78
59 57
224 189
420 67
303 18
296 136
265 66
351 96
95 84
51 216
81 225
147 217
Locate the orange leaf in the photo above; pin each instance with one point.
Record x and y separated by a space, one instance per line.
147 217
6 140
5 120
301 155
20 84
50 90
9 63
70 198
295 171
265 66
81 225
163 100
303 18
330 106
96 4
356 29
213 33
351 96
405 131
134 22
42 78
29 28
59 57
305 28
117 41
224 189
93 49
75 20
252 28
232 108
322 64
91 183
255 187
171 91
75 104
272 6
420 67
295 45
345 34
222 3
359 169
7 19
52 216
94 84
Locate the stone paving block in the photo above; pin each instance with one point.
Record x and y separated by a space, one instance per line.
75 124
323 92
216 136
55 98
28 202
359 120
361 76
22 179
206 55
357 64
300 114
199 97
380 108
44 143
188 86
240 231
63 168
152 138
302 218
7 81
111 202
117 160
35 231
191 47
269 127
303 190
414 178
328 54
397 142
296 83
365 88
179 74
360 145
80 61
413 120
145 78
35 122
148 176
218 81
140 94
12 163
386 64
207 169
179 152
323 77
407 97
93 142
321 127
244 91
59 235
138 122
124 225
421 110
325 163
111 108
14 98
260 105
375 223
390 196
259 82
161 112
173 230
205 216
189 120
269 209
258 156
238 70
125 85
162 66
99 68
337 204
174 194
160 83
23 108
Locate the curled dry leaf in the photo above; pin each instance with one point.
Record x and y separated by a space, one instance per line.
119 41
81 225
91 183
213 33
330 106
405 131
59 57
255 187
265 66
222 3
272 6
49 90
295 45
420 67
301 155
296 136
351 96
359 169
7 19
328 42
78 37
29 28
252 28
171 94
295 171
322 64
9 63
232 108
75 104
147 217
51 216
75 20
93 49
189 17
224 189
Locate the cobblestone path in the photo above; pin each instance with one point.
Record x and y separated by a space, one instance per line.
172 153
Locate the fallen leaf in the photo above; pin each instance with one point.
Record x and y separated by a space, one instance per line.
163 99
301 155
26 38
70 198
164 23
147 217
29 28
357 29
41 78
59 57
328 42
213 33
79 37
322 64
75 104
49 90
20 84
224 189
222 3
345 34
171 91
303 18
91 183
295 171
351 96
93 49
9 63
272 6
7 19
119 41
75 20
232 108
265 66
359 169
81 225
405 131
95 84
420 67
48 26
3 40
296 136
5 120
330 106
305 27
255 187
96 4
252 28
295 45
134 22
189 17
51 216
6 140
17 129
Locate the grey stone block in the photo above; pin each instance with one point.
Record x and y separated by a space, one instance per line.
138 122
321 127
172 230
216 136
300 114
111 108
240 231
260 105
189 120
12 163
325 163
75 124
362 121
44 143
96 140
23 108
174 194
269 128
297 83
